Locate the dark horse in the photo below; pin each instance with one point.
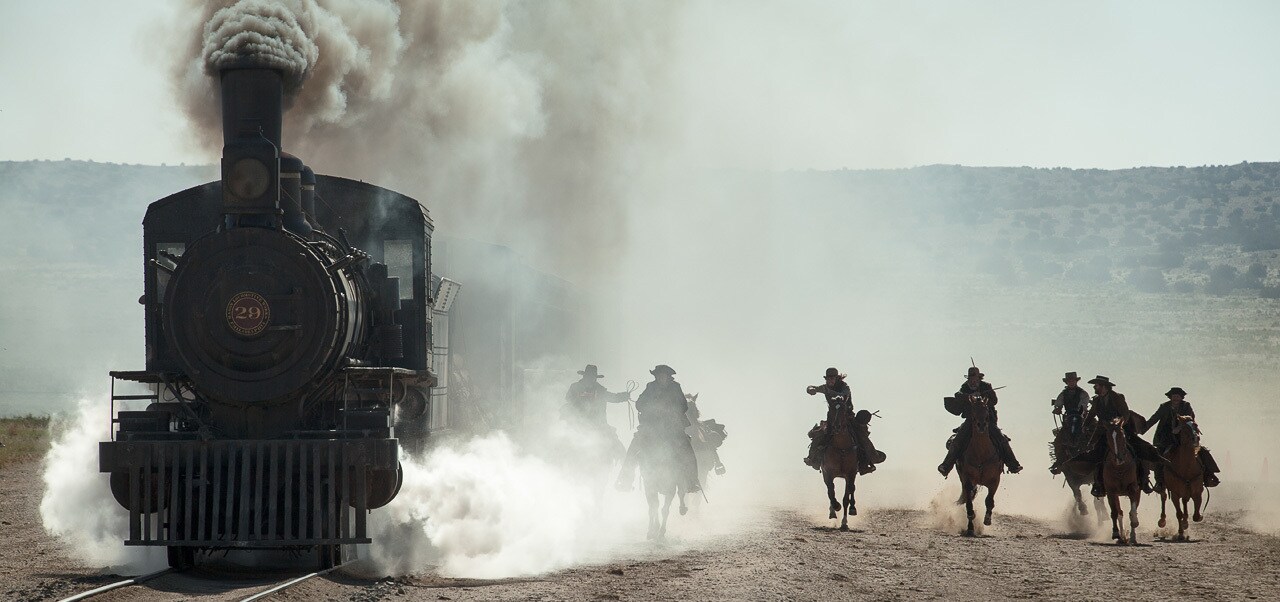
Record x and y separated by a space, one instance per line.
1077 474
660 470
841 461
1120 478
1183 476
980 464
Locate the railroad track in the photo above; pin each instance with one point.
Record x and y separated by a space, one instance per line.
262 594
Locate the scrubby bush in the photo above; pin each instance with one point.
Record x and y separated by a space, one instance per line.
1222 279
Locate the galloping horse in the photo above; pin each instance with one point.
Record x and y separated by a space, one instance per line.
841 461
980 464
1183 476
1077 474
1120 478
660 472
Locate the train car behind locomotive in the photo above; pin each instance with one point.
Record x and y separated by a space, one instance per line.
288 336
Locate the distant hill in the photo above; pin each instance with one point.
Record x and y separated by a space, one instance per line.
70 243
1211 229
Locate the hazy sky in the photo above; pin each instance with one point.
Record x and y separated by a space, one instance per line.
787 84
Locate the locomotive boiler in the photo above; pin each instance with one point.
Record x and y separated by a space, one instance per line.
288 342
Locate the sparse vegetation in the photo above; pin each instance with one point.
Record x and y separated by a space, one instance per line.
25 438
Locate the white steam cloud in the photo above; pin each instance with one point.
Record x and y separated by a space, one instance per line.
484 509
77 506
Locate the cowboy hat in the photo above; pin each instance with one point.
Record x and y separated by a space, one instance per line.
663 369
1070 376
591 370
1102 380
974 370
832 373
1176 391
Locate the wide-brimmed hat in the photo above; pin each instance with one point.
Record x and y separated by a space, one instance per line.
662 369
592 371
1176 391
1070 376
832 373
1102 380
972 371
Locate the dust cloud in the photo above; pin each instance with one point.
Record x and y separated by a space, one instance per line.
578 134
77 506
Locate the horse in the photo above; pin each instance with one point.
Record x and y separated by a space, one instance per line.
840 460
980 465
1076 474
1120 478
660 472
1183 476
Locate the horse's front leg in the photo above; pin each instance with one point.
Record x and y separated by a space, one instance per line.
991 502
652 498
1134 499
844 520
1196 501
851 486
1080 506
969 493
831 493
666 514
1181 507
1113 500
1164 496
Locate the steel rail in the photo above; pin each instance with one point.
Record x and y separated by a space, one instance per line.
292 582
117 585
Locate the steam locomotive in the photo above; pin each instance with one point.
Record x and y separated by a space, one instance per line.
289 340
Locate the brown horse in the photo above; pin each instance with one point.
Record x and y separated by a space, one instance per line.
841 461
980 464
1183 476
1120 478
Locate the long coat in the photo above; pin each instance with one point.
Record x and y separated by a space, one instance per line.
1163 421
663 405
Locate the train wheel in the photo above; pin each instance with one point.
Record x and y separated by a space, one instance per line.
182 557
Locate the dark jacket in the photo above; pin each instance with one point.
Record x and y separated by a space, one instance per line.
586 399
1110 405
837 395
1163 421
982 390
663 406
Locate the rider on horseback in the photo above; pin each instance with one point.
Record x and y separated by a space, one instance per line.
975 387
663 420
1109 405
840 399
1164 440
1073 404
585 405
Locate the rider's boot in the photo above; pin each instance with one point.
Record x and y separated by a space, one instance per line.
1006 451
948 463
1159 486
1098 490
814 459
1144 479
1210 467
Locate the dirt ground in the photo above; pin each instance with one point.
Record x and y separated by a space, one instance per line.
888 555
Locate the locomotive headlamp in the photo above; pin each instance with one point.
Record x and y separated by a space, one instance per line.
248 179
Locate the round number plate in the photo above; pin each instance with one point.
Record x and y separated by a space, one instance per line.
248 313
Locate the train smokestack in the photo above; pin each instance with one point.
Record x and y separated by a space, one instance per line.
252 112
252 99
